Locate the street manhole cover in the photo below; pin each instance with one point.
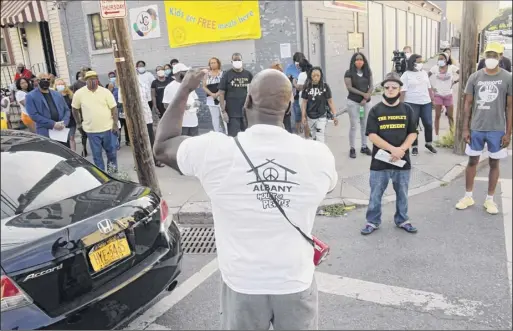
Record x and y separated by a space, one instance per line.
418 178
198 240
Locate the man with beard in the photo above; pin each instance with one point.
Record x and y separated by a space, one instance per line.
391 127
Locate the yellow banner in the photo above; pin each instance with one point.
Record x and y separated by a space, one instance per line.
198 22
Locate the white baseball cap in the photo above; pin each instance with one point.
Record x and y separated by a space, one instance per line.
179 67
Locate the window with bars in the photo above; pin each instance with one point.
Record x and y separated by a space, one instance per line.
4 51
100 29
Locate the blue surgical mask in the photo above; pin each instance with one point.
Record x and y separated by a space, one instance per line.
112 79
167 72
442 63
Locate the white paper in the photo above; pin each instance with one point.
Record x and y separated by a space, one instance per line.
385 156
59 135
285 51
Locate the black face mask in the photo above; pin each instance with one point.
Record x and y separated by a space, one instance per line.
44 84
392 100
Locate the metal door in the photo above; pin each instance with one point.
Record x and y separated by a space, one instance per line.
316 45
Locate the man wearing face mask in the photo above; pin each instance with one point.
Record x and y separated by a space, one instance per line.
488 113
190 117
392 127
47 108
233 90
95 109
157 90
504 62
146 78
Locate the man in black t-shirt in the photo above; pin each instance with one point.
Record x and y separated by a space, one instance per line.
391 128
233 89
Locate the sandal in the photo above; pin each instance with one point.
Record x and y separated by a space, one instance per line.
368 229
408 227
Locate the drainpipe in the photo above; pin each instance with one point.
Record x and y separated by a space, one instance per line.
299 22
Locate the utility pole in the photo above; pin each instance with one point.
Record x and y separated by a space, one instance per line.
468 56
129 84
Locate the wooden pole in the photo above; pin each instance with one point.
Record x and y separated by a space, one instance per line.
468 55
129 85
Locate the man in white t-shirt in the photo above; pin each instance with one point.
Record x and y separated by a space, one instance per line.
190 117
266 265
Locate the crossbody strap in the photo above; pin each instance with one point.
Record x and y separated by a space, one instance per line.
273 198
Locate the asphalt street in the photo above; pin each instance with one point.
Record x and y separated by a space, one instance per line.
452 274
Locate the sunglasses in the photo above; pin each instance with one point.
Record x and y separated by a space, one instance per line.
44 80
391 87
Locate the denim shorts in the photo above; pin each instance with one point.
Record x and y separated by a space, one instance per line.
493 140
297 111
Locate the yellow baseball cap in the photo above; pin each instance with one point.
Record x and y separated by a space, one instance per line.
90 74
494 47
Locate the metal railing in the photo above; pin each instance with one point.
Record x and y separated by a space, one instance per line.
9 72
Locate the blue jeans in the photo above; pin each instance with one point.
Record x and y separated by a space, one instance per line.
378 182
424 113
107 141
296 112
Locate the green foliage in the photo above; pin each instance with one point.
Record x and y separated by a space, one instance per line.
447 140
502 21
336 210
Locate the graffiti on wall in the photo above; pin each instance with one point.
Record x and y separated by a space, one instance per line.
198 22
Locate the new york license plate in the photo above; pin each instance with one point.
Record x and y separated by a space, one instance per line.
109 251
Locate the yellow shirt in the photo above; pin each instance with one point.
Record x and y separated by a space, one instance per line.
96 108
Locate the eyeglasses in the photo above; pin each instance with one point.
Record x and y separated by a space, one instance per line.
391 87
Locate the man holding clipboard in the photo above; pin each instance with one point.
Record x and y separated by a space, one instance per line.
391 127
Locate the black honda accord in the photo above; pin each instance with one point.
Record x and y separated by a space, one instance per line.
79 248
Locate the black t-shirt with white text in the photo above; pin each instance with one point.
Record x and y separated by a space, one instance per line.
159 87
361 83
392 124
317 97
235 87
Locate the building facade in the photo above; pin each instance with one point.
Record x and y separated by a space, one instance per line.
327 32
31 34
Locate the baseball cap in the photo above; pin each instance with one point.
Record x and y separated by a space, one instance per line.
495 47
392 77
90 74
179 67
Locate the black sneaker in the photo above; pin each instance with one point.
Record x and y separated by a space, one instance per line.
431 148
414 151
366 150
352 153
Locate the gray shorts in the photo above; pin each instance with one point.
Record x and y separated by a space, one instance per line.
297 311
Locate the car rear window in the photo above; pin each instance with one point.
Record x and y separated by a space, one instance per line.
40 173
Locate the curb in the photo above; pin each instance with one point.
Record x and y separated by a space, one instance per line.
200 212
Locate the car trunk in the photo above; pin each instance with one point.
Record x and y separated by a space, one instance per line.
67 252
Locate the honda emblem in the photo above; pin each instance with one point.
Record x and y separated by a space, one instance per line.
105 226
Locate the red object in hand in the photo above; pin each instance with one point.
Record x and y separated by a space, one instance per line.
321 251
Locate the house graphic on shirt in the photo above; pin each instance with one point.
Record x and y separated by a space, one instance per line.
272 172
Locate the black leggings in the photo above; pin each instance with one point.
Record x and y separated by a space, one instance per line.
83 136
125 128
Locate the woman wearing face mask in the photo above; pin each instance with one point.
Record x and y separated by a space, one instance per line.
358 81
317 101
168 71
114 89
64 90
157 90
146 78
24 86
416 91
443 78
211 87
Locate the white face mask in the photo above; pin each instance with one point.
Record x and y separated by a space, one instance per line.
491 63
237 64
59 88
418 66
141 70
296 63
441 63
161 73
407 55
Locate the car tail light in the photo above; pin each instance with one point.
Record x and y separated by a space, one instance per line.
12 296
164 211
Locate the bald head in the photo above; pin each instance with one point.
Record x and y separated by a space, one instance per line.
270 90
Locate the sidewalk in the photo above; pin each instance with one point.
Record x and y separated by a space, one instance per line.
190 204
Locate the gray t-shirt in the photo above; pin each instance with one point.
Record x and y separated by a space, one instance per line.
490 93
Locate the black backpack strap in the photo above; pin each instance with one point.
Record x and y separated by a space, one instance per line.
273 198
